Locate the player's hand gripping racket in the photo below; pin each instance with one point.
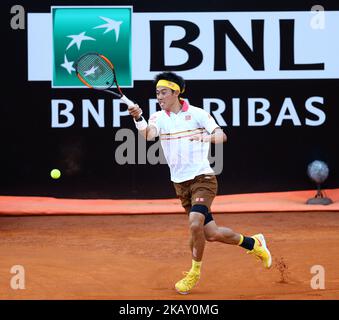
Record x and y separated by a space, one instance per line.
97 72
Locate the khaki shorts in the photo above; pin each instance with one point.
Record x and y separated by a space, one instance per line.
200 190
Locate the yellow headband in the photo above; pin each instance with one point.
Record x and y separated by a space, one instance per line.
168 84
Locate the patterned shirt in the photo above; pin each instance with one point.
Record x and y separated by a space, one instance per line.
186 159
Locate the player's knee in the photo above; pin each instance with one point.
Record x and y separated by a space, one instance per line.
196 227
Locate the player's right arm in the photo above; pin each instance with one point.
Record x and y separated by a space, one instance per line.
149 132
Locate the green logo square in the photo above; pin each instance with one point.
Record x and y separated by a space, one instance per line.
78 30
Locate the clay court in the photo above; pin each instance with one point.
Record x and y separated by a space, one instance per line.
142 256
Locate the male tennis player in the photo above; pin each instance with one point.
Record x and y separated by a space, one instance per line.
185 132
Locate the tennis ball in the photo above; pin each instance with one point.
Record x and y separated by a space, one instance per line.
55 174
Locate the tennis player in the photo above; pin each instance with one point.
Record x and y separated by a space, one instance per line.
186 132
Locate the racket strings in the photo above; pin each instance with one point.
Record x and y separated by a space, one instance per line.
96 71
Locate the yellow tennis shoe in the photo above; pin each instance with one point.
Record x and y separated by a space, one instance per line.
188 283
261 251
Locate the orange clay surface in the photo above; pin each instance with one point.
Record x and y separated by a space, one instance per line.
253 202
142 256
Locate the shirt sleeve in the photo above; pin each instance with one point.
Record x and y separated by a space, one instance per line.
208 122
154 121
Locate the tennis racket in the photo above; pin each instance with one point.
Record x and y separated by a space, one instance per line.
97 72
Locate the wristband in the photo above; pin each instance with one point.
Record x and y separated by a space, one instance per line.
141 124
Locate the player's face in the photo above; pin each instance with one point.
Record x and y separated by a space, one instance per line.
167 98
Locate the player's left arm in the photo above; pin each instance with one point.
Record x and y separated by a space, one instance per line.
214 133
217 136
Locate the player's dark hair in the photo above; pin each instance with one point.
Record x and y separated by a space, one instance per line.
173 77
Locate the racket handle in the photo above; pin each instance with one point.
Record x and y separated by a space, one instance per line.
127 101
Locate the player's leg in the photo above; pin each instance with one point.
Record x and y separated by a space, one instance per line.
196 223
203 189
196 226
183 193
191 243
197 244
221 234
197 236
255 245
188 211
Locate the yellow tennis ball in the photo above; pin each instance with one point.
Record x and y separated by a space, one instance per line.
55 174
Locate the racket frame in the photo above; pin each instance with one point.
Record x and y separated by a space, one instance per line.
110 64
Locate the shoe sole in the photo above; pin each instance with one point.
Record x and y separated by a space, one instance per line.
187 292
183 293
263 241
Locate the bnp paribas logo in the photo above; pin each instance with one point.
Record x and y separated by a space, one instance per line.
78 30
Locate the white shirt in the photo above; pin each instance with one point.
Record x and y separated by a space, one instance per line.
186 159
